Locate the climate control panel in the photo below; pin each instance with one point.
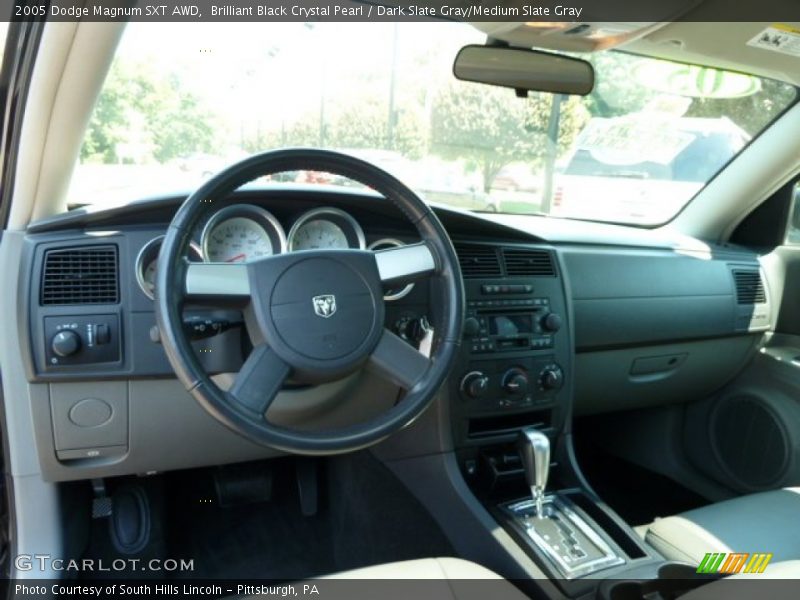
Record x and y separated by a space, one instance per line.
517 383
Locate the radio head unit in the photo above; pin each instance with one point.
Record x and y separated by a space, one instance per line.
509 325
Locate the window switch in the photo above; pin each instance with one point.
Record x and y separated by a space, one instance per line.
102 334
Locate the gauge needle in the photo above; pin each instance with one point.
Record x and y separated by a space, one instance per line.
236 258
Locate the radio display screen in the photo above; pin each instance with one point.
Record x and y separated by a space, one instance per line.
510 325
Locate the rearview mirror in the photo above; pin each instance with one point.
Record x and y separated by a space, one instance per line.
521 69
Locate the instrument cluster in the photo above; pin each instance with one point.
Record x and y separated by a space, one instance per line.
241 233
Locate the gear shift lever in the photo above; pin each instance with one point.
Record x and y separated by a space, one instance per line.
534 449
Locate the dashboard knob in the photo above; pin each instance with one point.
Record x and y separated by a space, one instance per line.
475 384
471 327
551 322
551 378
515 381
66 343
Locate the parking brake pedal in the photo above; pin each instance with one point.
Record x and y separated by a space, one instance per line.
243 484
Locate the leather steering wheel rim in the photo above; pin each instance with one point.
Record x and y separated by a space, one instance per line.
239 408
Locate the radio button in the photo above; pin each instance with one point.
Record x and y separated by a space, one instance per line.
471 327
552 322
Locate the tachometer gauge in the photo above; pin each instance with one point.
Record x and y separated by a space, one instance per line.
242 233
147 264
323 228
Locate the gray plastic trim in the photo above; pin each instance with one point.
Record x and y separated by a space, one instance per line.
217 279
405 262
392 243
36 516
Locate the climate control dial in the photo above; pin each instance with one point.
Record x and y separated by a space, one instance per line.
475 384
551 378
515 381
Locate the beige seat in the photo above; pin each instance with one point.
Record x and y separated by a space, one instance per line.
764 522
440 578
423 568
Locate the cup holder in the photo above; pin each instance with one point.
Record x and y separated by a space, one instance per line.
674 579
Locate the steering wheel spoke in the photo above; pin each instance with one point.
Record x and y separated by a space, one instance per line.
405 264
398 362
259 380
217 283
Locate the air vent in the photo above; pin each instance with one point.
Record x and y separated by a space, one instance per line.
538 263
749 287
478 261
80 275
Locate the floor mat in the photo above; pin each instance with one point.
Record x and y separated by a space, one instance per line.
366 516
375 519
270 540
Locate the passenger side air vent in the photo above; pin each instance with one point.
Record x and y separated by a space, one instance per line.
80 275
478 261
537 263
749 287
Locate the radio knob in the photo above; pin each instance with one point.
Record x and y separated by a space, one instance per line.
471 327
551 378
515 381
475 384
551 322
66 343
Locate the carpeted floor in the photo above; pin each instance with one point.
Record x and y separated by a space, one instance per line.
365 517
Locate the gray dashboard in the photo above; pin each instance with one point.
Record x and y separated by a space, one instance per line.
645 325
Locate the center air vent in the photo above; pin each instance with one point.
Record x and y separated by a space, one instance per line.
478 261
749 287
538 263
80 275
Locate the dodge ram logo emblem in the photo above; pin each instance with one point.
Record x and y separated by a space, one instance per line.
325 305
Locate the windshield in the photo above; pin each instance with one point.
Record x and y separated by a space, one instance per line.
182 101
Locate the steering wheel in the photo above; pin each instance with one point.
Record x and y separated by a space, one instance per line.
313 316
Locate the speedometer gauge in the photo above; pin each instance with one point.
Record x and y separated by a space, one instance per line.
324 228
242 233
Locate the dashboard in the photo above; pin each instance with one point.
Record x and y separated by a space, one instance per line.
553 327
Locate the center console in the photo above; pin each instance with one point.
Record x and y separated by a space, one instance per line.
517 344
510 411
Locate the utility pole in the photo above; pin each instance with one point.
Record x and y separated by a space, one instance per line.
391 117
551 151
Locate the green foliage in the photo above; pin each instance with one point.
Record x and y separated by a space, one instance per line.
141 117
353 126
616 92
488 128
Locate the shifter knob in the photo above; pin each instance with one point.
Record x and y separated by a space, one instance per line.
534 450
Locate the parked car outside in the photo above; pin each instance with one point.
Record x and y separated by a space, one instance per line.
616 173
